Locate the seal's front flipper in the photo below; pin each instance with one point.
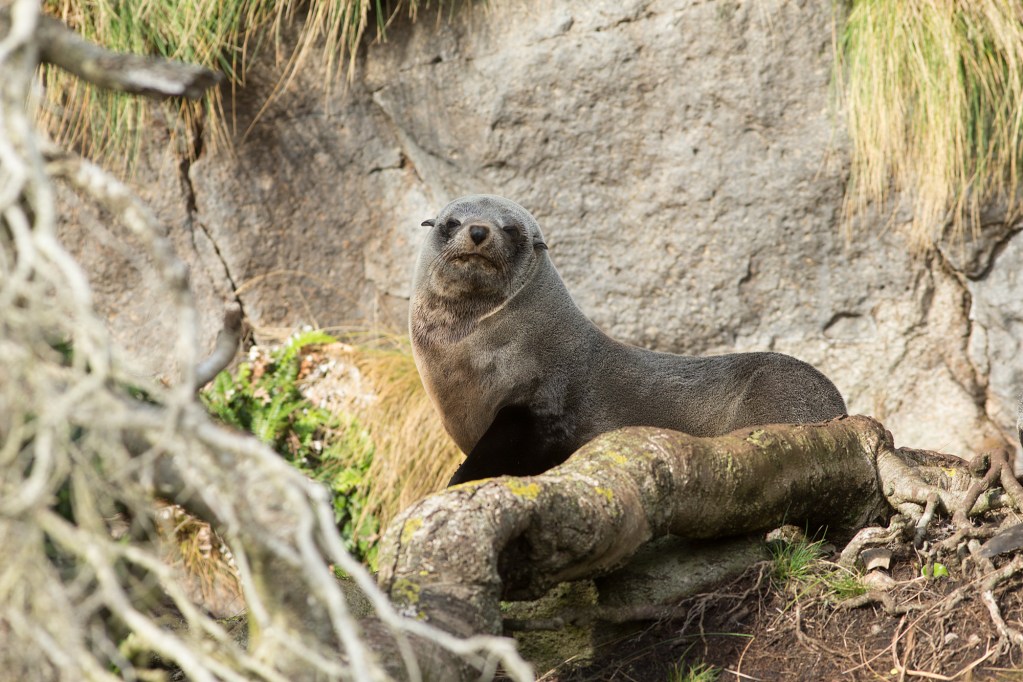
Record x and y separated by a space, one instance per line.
511 447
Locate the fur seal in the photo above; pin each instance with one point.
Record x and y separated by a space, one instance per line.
522 378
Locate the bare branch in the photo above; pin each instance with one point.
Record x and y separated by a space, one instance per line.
228 339
150 76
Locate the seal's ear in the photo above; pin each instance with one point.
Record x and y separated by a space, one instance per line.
429 223
539 244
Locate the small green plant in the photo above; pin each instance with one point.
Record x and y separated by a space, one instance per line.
800 568
795 561
844 584
934 571
701 672
263 398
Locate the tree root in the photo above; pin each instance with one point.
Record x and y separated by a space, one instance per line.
920 494
987 594
475 542
634 485
872 537
886 601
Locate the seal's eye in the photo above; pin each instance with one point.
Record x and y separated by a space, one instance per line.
511 230
447 228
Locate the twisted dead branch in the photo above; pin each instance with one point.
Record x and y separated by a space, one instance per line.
86 447
137 74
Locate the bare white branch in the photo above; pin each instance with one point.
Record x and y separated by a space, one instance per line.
79 453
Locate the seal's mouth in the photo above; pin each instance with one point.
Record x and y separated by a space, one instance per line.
471 259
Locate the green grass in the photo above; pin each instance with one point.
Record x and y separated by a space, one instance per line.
800 569
933 94
701 672
795 561
222 35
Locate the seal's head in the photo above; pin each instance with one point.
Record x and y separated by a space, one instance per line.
481 248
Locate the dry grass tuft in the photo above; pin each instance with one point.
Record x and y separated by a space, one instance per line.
207 569
223 35
933 90
413 454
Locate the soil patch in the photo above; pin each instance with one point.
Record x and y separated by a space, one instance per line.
758 629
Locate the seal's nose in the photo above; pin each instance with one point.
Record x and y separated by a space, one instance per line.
478 233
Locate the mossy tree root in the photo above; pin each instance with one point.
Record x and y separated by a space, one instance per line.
453 556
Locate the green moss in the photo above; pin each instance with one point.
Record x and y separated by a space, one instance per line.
549 649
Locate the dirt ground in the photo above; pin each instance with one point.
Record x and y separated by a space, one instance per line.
758 629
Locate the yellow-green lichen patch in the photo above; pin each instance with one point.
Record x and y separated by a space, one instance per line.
521 489
760 438
615 456
606 492
409 529
405 591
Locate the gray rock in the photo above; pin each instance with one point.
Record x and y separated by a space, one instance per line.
140 312
685 160
996 316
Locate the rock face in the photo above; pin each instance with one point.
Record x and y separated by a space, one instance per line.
686 162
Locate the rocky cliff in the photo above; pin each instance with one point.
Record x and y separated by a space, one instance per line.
686 160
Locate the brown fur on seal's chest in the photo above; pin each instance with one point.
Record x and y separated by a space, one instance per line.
522 378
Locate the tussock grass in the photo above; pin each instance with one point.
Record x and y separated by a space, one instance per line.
933 90
414 455
107 126
218 34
